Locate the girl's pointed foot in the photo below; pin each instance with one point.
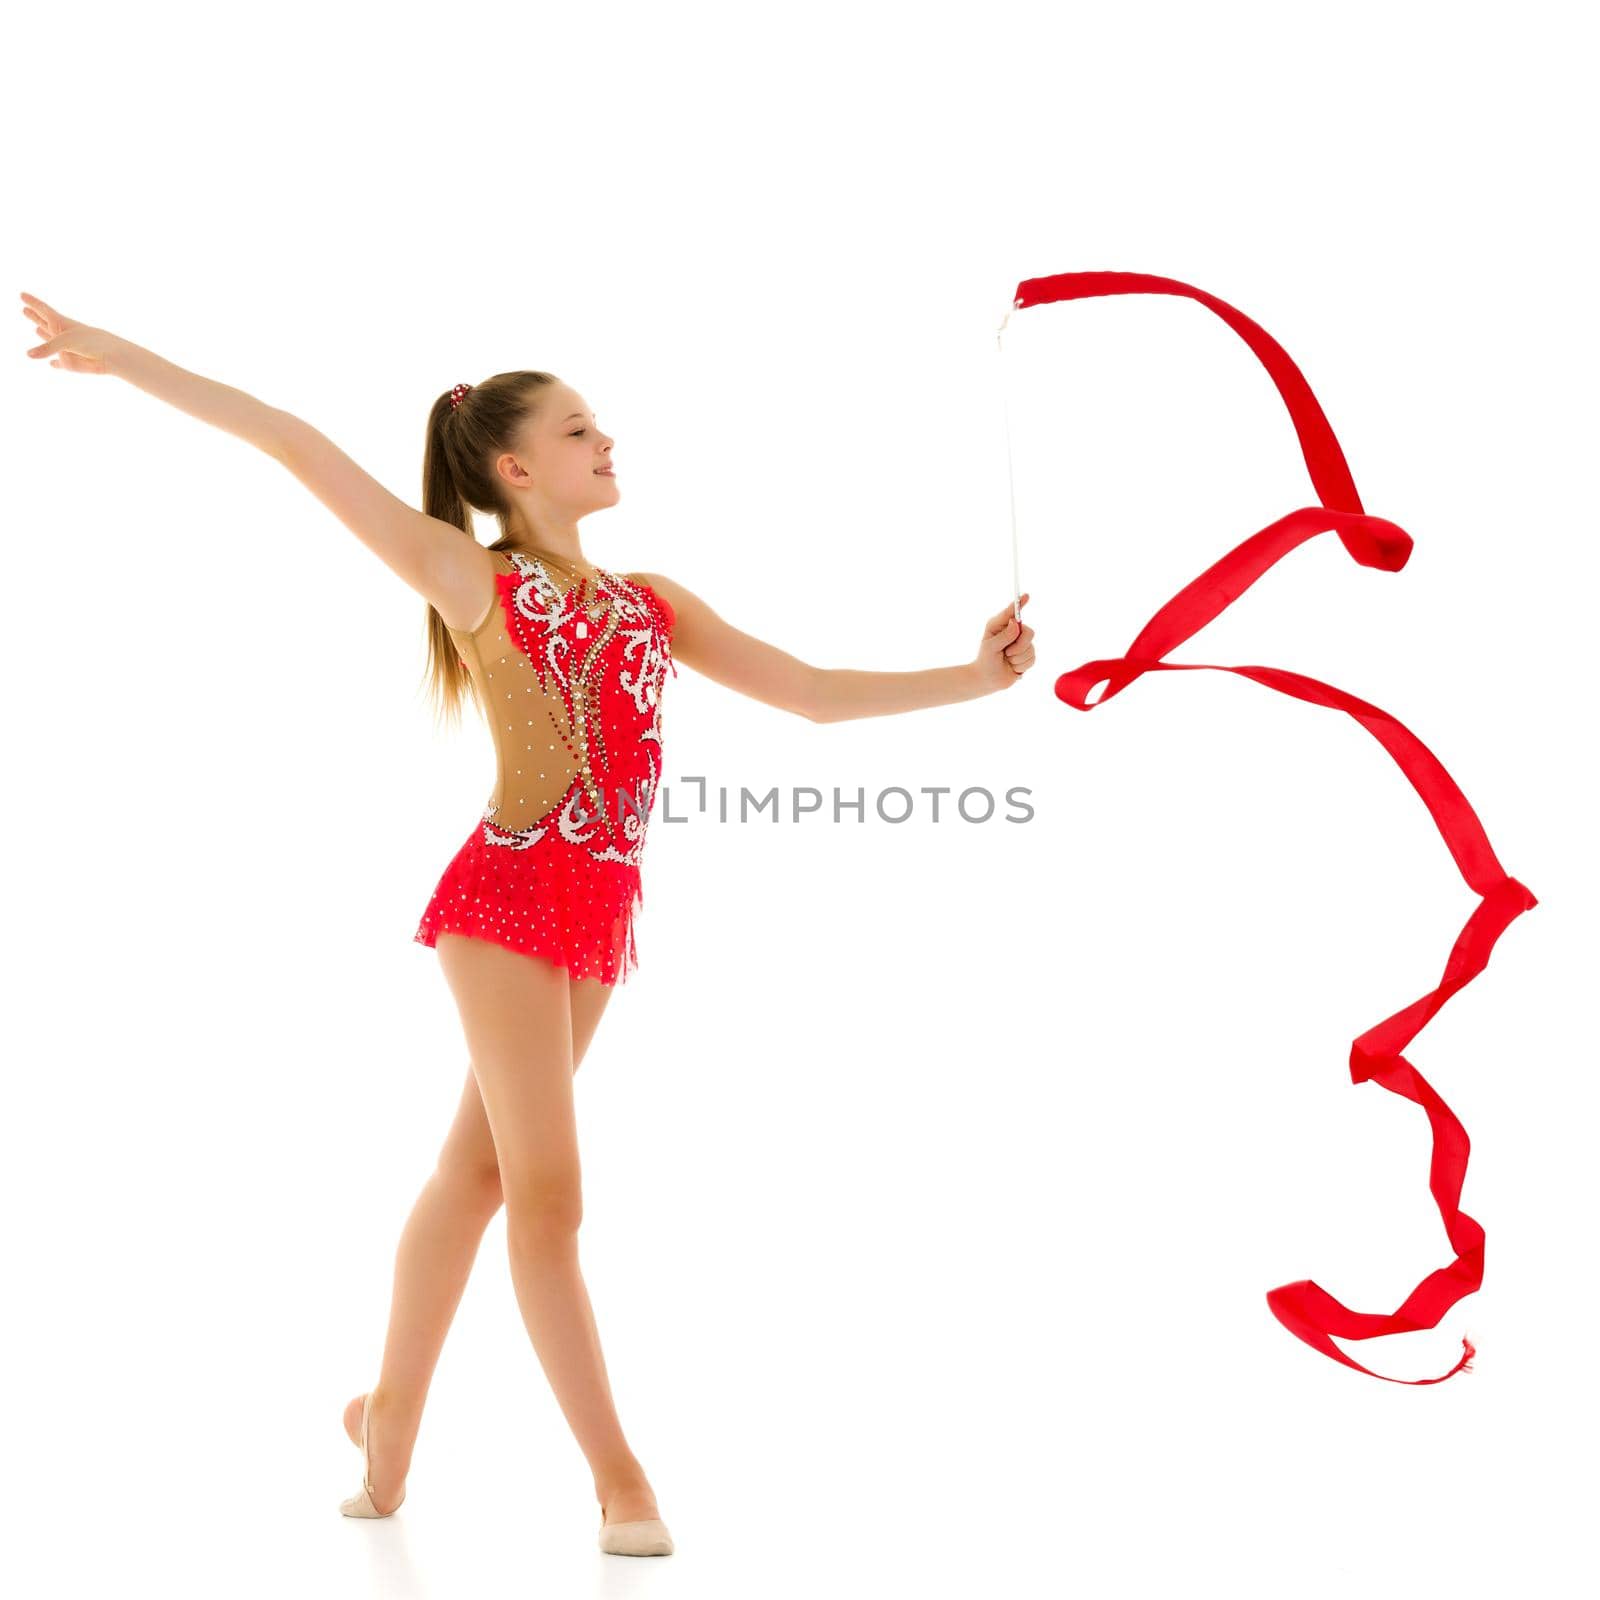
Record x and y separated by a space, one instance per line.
381 1492
629 1524
645 1537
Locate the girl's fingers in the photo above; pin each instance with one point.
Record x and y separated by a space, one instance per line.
48 320
35 301
1002 619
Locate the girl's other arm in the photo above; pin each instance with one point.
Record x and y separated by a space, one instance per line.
705 641
443 563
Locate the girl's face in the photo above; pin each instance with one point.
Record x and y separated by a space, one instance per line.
572 456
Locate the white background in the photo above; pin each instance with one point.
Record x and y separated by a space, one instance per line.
934 1175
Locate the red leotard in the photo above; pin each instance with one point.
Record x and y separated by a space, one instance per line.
570 675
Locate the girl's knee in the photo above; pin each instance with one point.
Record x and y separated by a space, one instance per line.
475 1180
544 1208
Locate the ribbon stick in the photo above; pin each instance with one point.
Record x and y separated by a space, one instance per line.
1303 1307
1011 478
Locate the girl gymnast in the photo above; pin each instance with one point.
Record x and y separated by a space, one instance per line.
533 918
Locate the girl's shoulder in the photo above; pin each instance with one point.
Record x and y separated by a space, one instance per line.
657 587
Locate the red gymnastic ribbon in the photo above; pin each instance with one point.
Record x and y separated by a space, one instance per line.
1304 1308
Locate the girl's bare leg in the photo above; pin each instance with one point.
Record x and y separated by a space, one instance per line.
437 1249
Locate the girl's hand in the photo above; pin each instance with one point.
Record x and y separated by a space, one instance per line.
1007 649
73 346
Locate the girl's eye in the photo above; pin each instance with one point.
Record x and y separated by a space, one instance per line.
580 433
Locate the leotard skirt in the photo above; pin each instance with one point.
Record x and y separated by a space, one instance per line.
550 899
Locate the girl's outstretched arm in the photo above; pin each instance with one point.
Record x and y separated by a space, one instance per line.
703 640
442 562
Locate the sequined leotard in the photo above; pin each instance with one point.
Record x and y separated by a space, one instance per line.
570 674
